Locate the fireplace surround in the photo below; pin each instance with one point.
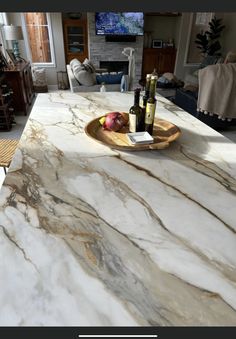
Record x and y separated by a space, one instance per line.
115 66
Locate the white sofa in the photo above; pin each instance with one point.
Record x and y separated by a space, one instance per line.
76 87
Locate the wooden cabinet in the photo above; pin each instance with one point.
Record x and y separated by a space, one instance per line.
6 109
20 81
75 39
163 59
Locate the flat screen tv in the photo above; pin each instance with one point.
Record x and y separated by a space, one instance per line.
112 23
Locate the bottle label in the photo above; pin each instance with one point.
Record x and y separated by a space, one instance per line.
132 123
150 113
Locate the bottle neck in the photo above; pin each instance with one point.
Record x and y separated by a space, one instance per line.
153 88
147 87
136 98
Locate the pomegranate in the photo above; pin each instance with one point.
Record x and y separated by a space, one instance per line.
114 121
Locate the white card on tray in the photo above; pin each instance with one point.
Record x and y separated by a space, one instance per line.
140 138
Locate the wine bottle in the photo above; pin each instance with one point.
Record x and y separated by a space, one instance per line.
151 106
136 118
147 91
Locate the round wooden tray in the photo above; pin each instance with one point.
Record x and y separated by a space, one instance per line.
164 132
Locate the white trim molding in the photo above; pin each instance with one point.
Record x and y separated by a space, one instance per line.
51 42
3 22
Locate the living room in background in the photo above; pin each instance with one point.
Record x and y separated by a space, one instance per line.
38 38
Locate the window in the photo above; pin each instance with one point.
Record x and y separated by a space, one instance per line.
2 40
38 37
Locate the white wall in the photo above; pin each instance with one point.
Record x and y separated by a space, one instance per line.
57 32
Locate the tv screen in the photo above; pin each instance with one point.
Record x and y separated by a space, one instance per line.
111 23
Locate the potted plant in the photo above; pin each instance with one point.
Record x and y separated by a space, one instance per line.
208 42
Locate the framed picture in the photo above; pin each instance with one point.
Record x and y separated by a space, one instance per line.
157 43
11 56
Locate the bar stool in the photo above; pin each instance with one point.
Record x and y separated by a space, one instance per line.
7 150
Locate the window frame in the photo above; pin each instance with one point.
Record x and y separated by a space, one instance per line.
3 22
51 43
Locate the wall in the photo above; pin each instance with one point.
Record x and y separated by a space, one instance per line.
228 40
100 50
163 27
57 32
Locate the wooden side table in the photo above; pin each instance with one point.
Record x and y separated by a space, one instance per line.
20 81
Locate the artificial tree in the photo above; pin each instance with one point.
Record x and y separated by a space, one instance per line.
208 41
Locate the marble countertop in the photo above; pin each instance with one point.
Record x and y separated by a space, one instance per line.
91 236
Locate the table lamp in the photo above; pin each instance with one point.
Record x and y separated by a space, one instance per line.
14 33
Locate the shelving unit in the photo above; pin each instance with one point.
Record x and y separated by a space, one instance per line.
75 39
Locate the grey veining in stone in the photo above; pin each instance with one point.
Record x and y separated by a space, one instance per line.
94 236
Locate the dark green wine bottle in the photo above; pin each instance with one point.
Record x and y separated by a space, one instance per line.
136 118
147 90
151 106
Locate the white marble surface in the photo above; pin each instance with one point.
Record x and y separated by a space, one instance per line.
92 236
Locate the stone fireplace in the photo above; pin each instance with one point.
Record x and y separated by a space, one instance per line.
102 51
115 66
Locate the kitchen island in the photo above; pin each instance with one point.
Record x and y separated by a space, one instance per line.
92 236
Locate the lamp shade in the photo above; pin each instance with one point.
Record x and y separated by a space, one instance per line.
13 32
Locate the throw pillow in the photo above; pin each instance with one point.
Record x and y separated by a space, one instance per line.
74 62
109 78
85 78
76 68
230 57
89 66
170 77
39 76
163 80
39 80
